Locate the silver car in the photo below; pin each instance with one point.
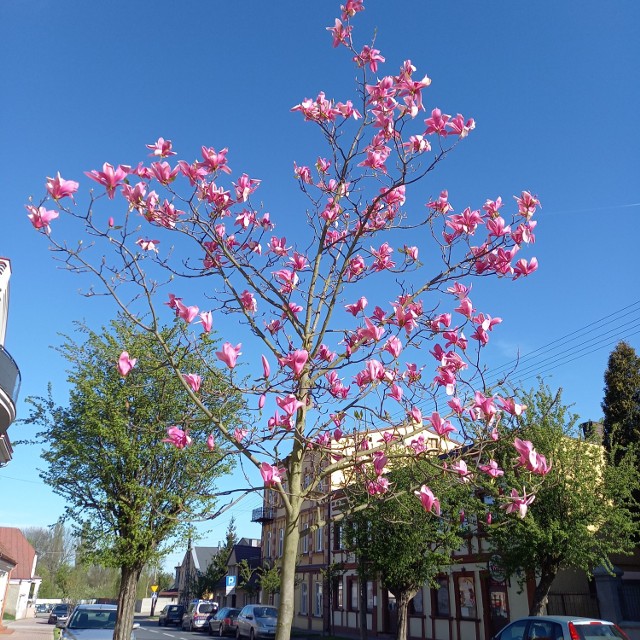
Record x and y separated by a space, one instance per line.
92 622
560 628
257 621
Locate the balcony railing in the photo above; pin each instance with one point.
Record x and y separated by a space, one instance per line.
263 514
10 385
9 375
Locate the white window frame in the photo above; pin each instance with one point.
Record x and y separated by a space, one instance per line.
318 600
281 543
319 539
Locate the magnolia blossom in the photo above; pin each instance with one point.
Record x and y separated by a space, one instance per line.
229 354
41 217
193 380
266 369
289 404
59 188
125 364
518 504
270 474
206 319
177 437
240 434
148 245
295 361
211 442
492 469
428 500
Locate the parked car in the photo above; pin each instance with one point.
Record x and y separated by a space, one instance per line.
257 621
197 614
42 610
560 628
93 622
171 614
224 622
59 614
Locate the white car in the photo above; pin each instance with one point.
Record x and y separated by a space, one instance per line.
560 628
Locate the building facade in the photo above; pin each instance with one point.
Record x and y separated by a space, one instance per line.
23 583
9 371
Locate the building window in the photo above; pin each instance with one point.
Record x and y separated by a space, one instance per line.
319 537
305 540
466 596
337 536
268 554
369 596
318 600
304 599
281 543
338 595
416 606
353 595
440 598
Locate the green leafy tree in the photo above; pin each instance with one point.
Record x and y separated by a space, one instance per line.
127 491
247 578
396 539
621 403
581 514
218 566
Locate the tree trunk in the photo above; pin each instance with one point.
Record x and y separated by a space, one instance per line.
362 606
402 602
129 577
288 572
541 594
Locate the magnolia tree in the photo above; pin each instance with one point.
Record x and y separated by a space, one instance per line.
334 366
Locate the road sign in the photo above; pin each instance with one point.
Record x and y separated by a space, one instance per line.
230 581
154 587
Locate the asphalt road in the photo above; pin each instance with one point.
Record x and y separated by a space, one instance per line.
149 630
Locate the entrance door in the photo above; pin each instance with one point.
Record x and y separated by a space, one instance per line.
495 605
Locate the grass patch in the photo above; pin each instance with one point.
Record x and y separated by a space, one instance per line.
8 616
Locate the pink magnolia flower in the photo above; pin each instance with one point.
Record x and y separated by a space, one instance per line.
356 307
337 434
229 354
177 437
111 222
240 434
519 504
510 406
148 245
396 393
206 318
442 427
211 442
59 188
411 253
161 148
41 217
379 462
245 187
266 369
289 404
270 474
460 467
186 313
295 361
214 160
248 301
109 177
428 500
193 380
524 268
491 469
394 346
125 364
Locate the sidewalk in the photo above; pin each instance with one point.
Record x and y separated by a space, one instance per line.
27 629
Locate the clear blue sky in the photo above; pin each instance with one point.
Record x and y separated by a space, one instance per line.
552 86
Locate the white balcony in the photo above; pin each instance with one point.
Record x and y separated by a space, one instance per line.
9 388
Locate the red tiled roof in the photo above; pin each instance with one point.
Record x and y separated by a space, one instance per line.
18 548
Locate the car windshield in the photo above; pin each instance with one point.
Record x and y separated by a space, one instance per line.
61 610
205 608
265 612
93 619
175 608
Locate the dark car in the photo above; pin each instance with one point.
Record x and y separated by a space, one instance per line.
560 628
171 614
224 622
59 614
